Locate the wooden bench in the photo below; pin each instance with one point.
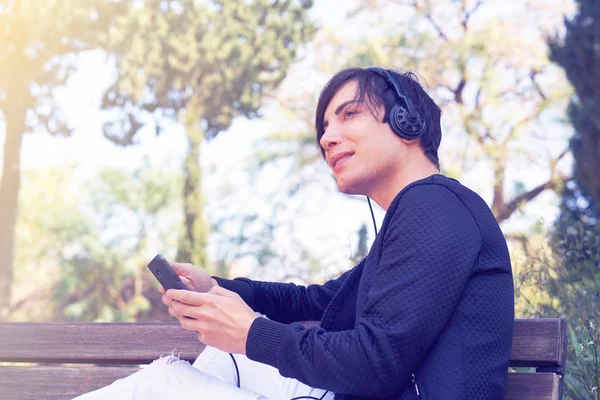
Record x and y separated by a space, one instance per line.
62 360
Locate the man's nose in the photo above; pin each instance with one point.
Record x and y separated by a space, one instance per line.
330 138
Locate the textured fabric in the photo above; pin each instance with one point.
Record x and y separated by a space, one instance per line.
173 379
212 376
255 377
430 309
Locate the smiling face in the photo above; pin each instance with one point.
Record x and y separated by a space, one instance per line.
363 153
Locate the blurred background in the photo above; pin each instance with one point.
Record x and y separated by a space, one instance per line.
185 127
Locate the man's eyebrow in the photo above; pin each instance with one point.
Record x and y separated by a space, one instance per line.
344 104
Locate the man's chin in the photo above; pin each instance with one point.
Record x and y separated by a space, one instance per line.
348 188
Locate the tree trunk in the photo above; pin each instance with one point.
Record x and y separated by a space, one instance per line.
192 245
9 195
498 202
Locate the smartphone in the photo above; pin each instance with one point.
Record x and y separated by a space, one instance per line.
165 274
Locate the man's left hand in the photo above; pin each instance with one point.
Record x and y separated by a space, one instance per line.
220 317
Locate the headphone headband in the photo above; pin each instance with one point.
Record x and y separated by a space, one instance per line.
407 122
385 74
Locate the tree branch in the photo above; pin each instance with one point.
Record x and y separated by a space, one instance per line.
478 99
39 293
458 92
521 238
473 131
515 203
536 85
429 17
518 124
509 208
468 14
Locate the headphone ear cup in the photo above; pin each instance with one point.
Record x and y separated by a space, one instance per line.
405 126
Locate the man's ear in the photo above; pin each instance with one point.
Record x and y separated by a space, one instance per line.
410 142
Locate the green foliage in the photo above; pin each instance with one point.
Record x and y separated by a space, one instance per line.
577 231
39 41
36 62
210 61
222 55
566 282
50 224
579 55
576 285
107 279
583 365
491 76
86 250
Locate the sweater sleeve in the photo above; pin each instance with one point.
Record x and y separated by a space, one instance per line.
285 302
428 252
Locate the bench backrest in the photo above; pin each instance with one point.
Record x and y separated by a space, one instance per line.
540 344
74 358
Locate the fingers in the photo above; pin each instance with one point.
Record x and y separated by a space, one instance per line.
221 291
161 289
190 298
173 313
182 311
181 268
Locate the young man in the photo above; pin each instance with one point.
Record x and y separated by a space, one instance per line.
427 315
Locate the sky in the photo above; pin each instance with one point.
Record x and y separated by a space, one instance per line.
339 215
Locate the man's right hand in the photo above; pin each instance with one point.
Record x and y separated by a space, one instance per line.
196 279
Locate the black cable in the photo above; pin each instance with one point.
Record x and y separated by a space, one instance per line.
311 397
237 371
372 215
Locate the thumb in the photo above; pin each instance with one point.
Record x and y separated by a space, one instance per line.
221 291
179 268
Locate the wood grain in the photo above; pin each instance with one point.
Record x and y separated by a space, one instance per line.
538 342
96 343
56 382
532 386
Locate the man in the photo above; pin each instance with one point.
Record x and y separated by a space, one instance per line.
428 314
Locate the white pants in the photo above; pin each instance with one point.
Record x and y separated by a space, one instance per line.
212 376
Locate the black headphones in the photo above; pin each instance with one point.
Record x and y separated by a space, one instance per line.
405 119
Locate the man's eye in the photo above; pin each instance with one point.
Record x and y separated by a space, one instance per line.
349 114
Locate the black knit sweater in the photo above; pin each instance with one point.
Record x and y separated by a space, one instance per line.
430 310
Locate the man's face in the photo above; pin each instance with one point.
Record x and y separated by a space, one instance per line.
361 151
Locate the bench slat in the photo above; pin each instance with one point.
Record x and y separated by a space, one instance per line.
532 386
101 343
56 382
538 342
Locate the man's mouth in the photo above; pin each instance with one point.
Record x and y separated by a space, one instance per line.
339 159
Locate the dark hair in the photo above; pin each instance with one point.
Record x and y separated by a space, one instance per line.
375 92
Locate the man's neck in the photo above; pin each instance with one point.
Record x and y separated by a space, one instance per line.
386 194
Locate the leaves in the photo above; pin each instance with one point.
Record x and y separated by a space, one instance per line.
34 62
220 55
579 55
89 243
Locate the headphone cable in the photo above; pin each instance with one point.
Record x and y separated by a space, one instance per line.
311 397
237 371
372 215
